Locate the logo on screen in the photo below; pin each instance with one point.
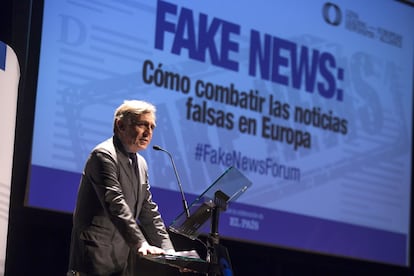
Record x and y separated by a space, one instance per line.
332 14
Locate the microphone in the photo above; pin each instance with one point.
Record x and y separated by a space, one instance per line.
187 211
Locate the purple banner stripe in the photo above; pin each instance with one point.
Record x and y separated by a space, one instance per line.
324 236
56 190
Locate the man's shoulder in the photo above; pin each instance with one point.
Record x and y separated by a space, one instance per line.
106 146
142 161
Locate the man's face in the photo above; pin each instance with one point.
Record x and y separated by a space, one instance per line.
137 135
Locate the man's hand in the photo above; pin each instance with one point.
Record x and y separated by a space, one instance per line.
146 249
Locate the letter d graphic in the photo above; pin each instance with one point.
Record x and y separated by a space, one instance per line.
73 31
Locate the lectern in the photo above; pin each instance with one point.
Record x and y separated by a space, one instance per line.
229 186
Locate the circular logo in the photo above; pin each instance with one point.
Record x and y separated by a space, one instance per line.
332 14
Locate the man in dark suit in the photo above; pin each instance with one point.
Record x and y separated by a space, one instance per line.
113 195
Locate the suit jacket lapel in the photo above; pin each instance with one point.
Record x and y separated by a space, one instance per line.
126 167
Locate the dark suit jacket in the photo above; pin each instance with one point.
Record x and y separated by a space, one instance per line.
111 198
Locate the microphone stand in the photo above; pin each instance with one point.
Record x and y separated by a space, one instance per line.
217 254
185 204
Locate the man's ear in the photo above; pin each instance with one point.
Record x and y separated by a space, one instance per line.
120 124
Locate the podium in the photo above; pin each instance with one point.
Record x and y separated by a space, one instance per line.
228 187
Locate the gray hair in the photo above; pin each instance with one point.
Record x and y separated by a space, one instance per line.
130 109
